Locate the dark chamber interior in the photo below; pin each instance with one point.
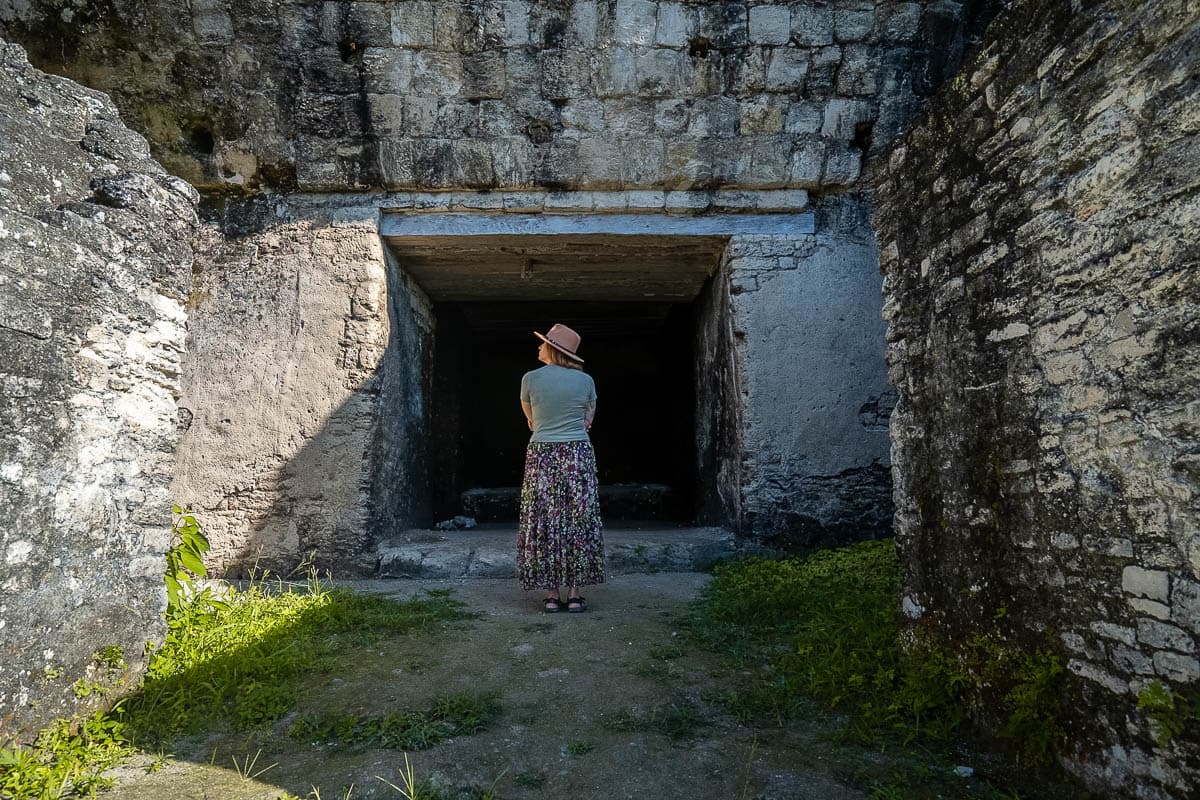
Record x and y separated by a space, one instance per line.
640 355
652 311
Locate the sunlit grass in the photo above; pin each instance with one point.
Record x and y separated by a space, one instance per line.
237 662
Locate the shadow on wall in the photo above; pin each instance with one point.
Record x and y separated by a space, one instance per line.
302 401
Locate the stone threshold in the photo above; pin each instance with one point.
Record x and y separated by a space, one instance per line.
490 552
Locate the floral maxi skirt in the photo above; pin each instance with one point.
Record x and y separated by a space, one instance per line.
559 539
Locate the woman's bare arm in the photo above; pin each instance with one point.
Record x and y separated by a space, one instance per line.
528 409
589 413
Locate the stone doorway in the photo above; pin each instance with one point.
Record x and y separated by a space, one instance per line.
641 302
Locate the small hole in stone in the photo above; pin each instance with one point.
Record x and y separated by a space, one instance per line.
538 132
553 36
862 136
698 47
348 49
201 139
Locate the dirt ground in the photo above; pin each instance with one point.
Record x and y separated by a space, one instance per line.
611 703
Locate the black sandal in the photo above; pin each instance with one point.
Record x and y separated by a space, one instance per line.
576 605
552 605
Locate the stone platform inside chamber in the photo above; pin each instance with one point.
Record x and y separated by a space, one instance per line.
490 550
617 501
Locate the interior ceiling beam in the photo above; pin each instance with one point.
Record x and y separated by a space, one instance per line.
564 267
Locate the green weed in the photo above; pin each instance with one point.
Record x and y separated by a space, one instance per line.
451 715
1169 710
678 719
248 769
66 760
530 780
666 652
580 748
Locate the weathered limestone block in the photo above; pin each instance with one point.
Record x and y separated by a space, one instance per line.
770 24
787 70
95 262
278 97
1038 239
812 24
853 21
677 24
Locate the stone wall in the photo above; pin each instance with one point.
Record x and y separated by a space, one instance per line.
304 120
338 96
814 466
1039 240
719 399
95 261
309 431
282 386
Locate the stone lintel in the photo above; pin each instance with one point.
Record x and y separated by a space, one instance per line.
488 224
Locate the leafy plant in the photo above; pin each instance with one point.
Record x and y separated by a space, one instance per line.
1169 710
185 557
67 759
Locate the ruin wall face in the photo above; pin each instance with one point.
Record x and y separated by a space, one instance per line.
304 121
1039 240
570 94
95 268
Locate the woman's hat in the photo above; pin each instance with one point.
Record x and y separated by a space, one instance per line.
563 339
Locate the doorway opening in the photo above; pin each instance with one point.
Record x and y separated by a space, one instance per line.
649 309
640 356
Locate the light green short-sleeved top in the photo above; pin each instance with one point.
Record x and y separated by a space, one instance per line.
560 398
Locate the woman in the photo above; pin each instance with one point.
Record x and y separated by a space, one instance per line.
559 542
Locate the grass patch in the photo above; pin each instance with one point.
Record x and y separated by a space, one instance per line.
238 662
529 780
451 715
579 748
824 628
243 660
678 719
666 652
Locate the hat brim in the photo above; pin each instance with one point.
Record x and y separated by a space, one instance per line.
562 350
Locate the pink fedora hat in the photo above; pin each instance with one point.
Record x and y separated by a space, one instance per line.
563 339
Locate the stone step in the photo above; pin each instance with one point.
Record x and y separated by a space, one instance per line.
490 551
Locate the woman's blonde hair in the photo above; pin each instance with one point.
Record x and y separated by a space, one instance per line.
561 359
